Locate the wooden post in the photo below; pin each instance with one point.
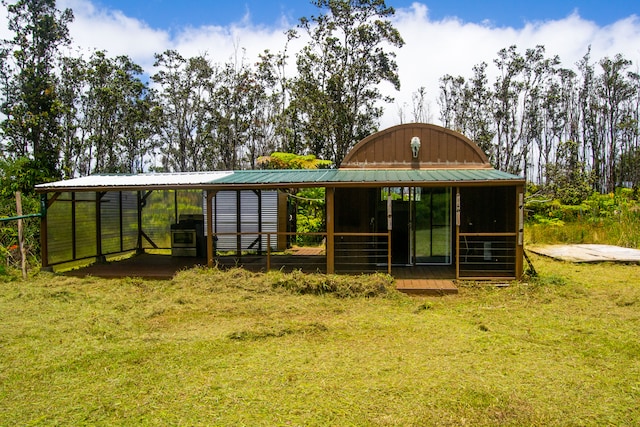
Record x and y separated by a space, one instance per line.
519 268
99 256
139 207
268 251
44 240
210 254
330 206
389 252
389 229
458 211
23 254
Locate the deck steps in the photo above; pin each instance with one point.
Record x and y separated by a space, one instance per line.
426 286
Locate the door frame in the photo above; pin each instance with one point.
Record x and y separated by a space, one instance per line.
410 193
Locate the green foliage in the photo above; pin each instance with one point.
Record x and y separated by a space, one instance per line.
21 174
602 218
336 94
31 108
9 253
310 218
278 160
568 181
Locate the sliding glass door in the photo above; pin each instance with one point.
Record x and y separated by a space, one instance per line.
432 234
421 224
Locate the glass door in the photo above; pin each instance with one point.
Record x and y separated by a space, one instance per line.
432 240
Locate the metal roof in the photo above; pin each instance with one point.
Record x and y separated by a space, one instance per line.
142 180
282 178
364 176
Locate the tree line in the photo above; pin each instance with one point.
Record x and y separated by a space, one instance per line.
570 130
69 115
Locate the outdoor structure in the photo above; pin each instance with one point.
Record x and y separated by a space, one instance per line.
410 199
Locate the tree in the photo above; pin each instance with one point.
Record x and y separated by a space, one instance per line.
31 106
186 88
235 99
614 91
336 93
70 91
116 114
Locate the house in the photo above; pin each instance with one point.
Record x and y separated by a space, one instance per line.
411 198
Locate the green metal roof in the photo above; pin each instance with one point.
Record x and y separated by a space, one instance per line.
363 176
284 178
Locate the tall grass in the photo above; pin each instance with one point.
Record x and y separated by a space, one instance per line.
237 348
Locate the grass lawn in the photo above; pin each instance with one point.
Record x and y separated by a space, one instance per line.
210 348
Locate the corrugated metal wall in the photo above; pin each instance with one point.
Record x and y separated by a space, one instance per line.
225 213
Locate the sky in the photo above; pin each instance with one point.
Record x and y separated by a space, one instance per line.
441 36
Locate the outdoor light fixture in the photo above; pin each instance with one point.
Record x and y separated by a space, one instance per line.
415 146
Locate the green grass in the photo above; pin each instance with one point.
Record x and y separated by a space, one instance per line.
210 348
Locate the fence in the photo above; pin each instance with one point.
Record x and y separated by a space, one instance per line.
352 252
487 255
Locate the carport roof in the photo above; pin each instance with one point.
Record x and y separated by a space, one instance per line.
284 178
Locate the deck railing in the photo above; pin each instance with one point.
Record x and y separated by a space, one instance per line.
352 252
486 255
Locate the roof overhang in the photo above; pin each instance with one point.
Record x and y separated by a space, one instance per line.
290 178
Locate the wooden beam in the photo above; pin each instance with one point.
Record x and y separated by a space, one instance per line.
73 227
210 249
53 198
139 205
99 196
457 233
44 240
330 207
520 231
239 224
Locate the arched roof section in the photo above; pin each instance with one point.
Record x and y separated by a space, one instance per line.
439 148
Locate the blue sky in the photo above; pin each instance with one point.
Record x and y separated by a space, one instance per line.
441 36
175 14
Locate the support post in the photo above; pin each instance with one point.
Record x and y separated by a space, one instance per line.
99 256
458 207
74 246
120 221
210 252
520 232
330 206
389 252
139 204
23 254
268 251
239 225
44 240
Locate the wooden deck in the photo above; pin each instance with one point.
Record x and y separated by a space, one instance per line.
425 280
420 280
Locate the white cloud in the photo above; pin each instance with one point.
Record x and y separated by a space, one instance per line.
450 46
433 47
102 29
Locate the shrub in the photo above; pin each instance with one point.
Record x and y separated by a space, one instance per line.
601 218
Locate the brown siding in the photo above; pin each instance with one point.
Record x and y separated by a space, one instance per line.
440 147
